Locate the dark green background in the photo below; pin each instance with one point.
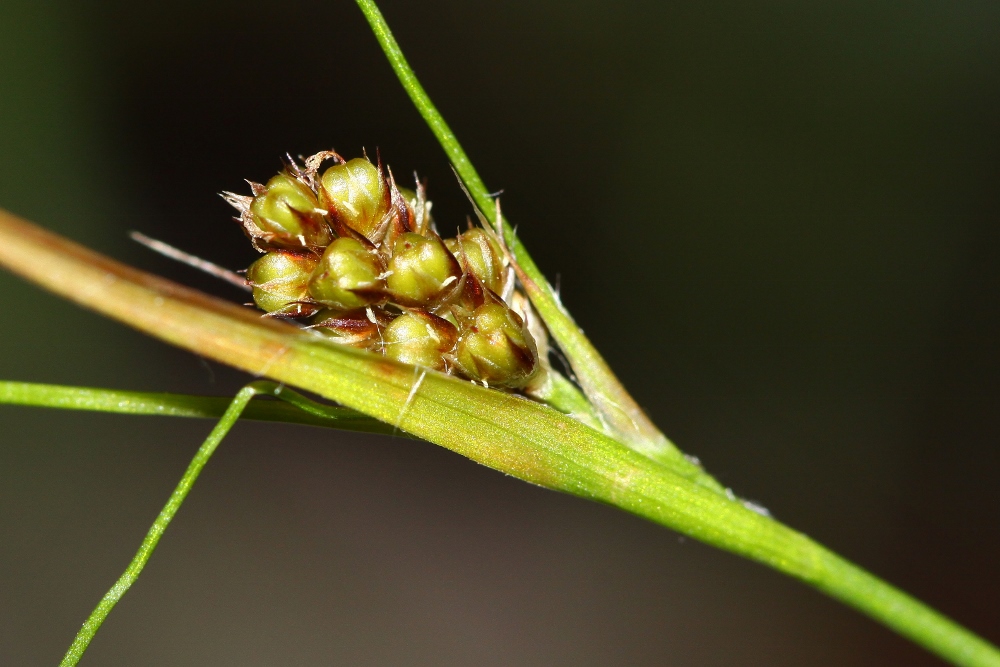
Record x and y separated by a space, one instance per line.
778 220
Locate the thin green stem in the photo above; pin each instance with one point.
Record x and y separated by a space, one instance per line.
621 414
111 598
293 408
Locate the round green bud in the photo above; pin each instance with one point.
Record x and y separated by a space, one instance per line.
348 276
481 255
356 196
420 339
286 215
280 281
421 270
495 347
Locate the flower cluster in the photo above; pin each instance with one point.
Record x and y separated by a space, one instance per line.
353 256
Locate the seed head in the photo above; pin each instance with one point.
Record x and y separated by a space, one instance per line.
356 195
280 281
480 254
359 258
283 214
495 347
349 276
421 271
420 338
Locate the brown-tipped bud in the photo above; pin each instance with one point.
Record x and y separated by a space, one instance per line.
358 328
421 271
480 254
420 338
400 220
285 215
356 196
280 281
349 276
495 348
421 207
409 196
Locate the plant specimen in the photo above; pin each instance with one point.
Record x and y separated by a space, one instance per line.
625 462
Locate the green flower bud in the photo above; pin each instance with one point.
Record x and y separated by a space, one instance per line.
421 270
495 347
356 196
480 254
348 276
286 215
419 338
280 281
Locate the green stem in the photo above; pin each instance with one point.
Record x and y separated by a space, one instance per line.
111 598
906 615
622 415
294 407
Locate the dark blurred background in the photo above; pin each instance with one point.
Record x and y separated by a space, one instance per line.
778 220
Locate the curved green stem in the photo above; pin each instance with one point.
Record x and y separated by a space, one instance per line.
111 598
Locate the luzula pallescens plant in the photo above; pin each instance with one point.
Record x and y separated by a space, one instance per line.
434 338
360 260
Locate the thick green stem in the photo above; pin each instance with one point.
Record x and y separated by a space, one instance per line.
111 598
